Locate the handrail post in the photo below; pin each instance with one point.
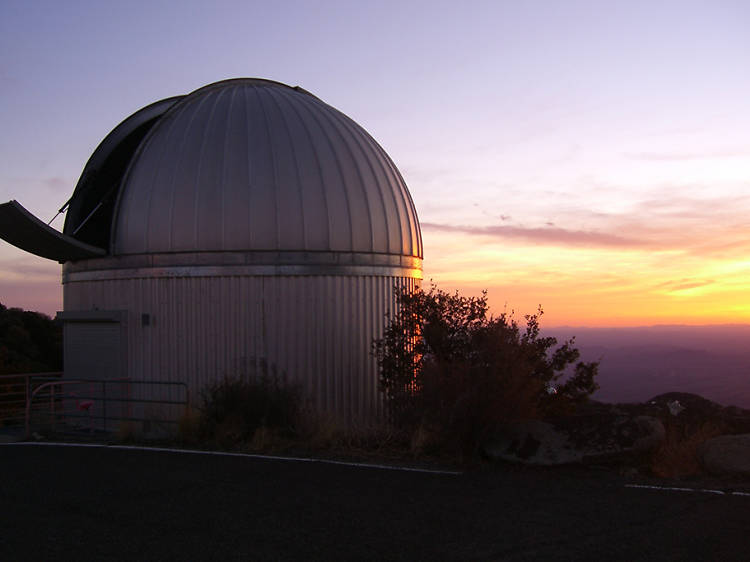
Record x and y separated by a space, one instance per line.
27 423
52 407
187 398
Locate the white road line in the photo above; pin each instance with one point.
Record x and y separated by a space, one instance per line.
52 444
698 490
246 455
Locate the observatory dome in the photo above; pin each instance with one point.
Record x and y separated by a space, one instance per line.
251 164
244 228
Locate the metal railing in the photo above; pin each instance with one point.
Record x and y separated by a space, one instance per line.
97 407
15 390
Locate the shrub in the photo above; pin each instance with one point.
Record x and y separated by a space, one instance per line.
30 342
235 408
678 456
447 366
189 430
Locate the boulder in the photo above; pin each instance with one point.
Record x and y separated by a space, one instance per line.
692 412
532 442
736 420
727 455
686 408
603 434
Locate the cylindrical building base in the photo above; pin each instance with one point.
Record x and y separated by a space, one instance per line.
312 330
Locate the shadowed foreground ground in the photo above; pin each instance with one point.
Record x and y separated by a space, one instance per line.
114 504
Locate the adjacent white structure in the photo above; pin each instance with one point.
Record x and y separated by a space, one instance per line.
244 228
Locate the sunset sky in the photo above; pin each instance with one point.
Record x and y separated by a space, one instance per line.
591 157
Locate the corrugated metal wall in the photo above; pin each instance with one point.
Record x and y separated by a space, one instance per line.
316 330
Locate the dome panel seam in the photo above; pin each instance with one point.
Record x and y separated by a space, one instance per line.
334 153
321 182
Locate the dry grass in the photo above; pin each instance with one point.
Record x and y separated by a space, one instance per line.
128 432
310 433
678 456
320 433
265 416
188 427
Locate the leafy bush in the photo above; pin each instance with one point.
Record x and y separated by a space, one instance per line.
234 409
30 342
447 366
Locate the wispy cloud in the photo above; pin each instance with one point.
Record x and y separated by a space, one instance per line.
547 235
674 205
685 284
678 155
30 269
732 245
31 295
57 183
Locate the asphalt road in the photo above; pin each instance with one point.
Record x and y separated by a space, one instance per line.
65 503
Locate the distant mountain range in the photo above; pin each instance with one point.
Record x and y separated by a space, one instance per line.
640 363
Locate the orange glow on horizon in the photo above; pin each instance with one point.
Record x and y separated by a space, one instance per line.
597 287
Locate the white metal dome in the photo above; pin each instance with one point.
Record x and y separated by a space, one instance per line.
255 165
246 227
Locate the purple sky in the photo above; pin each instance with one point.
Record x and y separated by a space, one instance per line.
590 156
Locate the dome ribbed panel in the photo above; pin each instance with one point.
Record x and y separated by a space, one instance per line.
263 212
353 185
326 162
236 175
383 228
309 176
255 165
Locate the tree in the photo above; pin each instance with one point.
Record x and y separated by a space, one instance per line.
447 365
29 342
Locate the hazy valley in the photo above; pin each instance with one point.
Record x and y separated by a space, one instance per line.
639 363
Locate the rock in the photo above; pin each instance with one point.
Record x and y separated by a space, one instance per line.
695 412
531 442
727 455
604 434
691 409
675 407
608 433
651 434
736 420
